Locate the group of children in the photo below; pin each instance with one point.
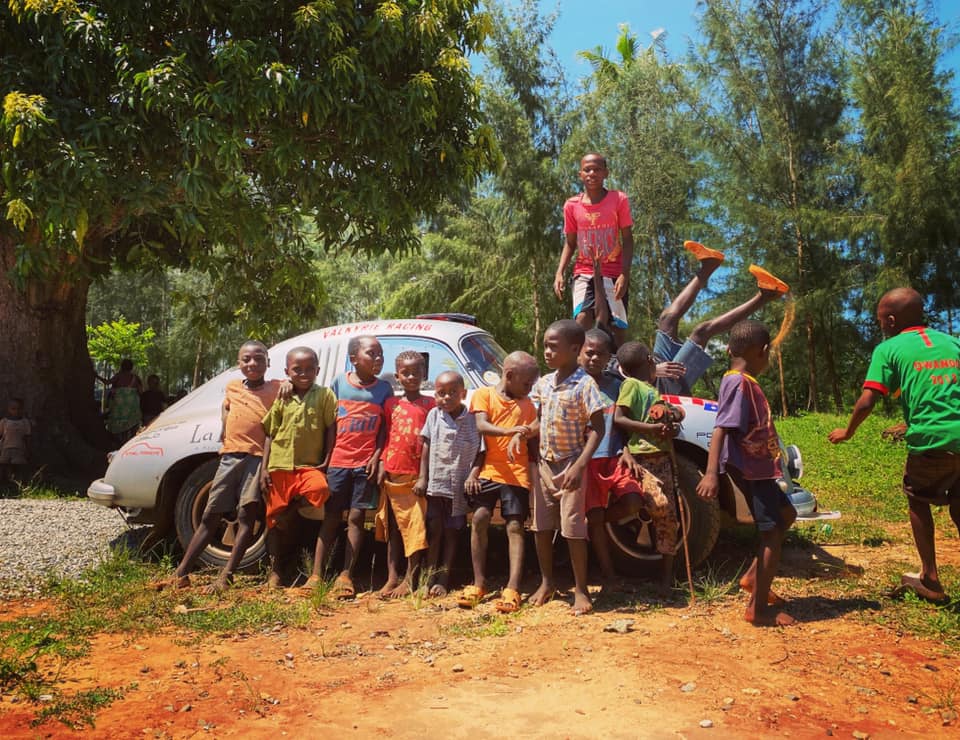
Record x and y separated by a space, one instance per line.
572 451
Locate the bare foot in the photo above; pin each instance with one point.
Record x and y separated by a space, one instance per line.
312 582
387 591
773 599
925 588
274 580
438 590
402 589
543 594
581 604
612 585
220 585
768 617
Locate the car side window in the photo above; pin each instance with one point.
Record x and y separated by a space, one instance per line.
438 356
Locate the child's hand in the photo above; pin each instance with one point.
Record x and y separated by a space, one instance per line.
471 486
709 486
513 449
630 464
265 483
572 478
372 466
420 487
838 435
286 390
381 474
671 369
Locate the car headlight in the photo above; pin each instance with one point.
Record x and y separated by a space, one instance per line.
794 462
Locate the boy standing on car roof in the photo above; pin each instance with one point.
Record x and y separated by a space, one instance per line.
599 230
923 366
571 427
300 434
507 419
745 446
361 397
236 484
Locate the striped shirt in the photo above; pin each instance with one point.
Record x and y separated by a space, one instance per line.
454 443
565 411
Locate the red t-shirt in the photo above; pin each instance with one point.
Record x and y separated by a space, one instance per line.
359 415
405 419
597 226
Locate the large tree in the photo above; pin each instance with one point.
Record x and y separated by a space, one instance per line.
213 134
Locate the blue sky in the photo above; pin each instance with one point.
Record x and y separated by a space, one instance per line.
583 24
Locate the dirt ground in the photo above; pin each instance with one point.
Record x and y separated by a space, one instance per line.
371 668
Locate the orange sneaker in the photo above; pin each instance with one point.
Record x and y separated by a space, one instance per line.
766 281
701 252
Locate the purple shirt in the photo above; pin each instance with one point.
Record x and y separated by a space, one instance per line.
751 444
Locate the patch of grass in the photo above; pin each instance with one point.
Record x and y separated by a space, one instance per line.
80 709
245 616
481 625
712 583
36 488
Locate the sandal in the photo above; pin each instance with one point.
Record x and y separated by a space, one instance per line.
343 588
509 601
471 596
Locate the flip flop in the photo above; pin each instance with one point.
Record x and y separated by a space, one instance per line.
509 601
768 281
701 252
913 582
471 596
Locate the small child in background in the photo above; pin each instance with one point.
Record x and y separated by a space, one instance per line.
402 516
152 401
570 427
449 468
507 419
15 432
651 424
355 461
300 436
236 484
745 445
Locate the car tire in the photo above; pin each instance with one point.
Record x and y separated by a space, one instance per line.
631 545
189 510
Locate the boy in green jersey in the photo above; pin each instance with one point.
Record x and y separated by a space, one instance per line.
923 366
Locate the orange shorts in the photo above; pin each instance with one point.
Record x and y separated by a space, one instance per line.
307 484
608 480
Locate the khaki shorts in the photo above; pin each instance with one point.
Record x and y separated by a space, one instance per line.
235 484
554 509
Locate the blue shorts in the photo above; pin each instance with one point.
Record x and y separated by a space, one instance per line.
694 359
441 508
514 500
350 489
765 498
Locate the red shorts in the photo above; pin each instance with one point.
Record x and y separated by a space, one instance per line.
307 484
607 479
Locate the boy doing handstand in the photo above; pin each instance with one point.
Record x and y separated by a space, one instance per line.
448 469
691 354
300 435
402 515
924 366
746 446
355 461
651 425
571 427
236 484
507 419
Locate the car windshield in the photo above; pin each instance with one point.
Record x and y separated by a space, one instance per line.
484 356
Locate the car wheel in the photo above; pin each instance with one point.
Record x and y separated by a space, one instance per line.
633 546
189 510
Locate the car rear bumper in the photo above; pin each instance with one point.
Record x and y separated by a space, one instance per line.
102 493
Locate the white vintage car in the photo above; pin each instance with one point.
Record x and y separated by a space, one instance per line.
163 474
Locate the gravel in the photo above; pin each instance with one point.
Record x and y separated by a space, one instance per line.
43 537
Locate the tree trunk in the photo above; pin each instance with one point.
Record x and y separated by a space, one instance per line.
812 402
537 318
828 356
48 366
197 364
